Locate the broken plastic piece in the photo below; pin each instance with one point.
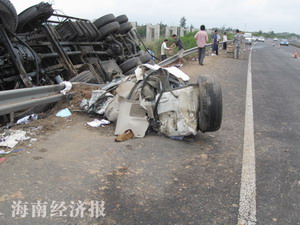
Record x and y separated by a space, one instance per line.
132 116
68 87
64 113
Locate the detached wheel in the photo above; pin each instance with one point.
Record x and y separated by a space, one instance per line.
8 15
125 27
104 20
129 64
34 16
210 102
122 19
109 28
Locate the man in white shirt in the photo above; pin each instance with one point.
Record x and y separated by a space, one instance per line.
225 41
163 50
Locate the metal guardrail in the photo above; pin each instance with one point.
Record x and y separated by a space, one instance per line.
20 99
174 58
25 98
295 44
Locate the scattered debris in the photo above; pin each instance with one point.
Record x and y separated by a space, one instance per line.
11 138
27 119
64 113
98 123
2 159
68 87
128 134
17 150
97 103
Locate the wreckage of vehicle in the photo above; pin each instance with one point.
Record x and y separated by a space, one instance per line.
160 99
39 47
135 94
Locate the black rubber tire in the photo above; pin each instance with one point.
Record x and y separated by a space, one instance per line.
210 104
145 58
130 72
34 16
109 28
104 20
86 77
129 64
8 15
125 27
141 52
122 19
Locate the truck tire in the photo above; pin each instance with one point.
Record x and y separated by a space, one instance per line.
129 64
122 19
210 104
34 16
145 58
104 20
109 28
130 72
86 77
8 15
125 27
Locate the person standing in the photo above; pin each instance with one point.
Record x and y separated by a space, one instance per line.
215 42
163 50
224 41
202 38
237 40
180 46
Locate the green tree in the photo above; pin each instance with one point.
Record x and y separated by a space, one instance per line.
183 22
141 31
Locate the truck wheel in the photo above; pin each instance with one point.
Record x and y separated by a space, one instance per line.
86 77
109 28
145 58
8 15
122 19
129 64
130 72
210 103
34 17
125 27
104 20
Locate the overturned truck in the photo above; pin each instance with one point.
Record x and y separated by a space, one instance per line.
40 47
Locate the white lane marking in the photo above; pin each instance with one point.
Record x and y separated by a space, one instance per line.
247 208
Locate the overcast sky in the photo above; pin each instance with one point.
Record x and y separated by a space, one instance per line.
247 15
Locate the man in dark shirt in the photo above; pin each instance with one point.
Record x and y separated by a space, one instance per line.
180 46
